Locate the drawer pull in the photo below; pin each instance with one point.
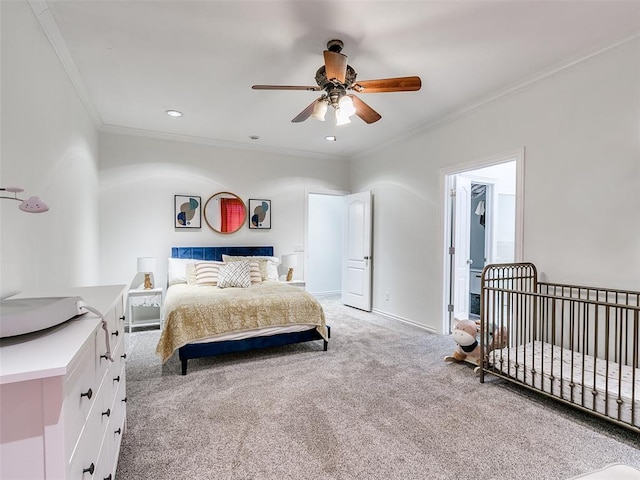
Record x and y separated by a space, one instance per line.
116 333
107 413
118 431
108 478
117 379
124 355
88 394
89 470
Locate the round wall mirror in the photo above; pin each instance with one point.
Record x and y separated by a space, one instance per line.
225 212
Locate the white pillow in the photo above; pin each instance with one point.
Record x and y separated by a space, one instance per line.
177 270
234 274
268 265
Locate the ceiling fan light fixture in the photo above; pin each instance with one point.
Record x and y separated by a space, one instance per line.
319 109
335 79
346 106
341 117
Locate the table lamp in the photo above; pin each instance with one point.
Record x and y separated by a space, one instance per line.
147 265
289 261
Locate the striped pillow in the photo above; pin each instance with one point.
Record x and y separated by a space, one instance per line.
234 274
207 272
254 272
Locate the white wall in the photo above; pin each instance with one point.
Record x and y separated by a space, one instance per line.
49 148
140 176
580 128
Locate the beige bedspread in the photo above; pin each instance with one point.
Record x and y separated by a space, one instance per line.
196 312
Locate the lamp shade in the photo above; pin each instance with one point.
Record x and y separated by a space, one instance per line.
146 264
319 109
290 260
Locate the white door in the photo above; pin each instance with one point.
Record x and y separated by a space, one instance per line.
462 248
357 261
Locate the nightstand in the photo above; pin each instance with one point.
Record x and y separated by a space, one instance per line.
297 283
144 308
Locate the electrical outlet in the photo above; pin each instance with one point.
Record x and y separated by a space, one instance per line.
386 296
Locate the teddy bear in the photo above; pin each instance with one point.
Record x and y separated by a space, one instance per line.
465 334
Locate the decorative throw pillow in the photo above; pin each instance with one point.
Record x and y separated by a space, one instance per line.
254 272
234 274
268 265
207 272
190 271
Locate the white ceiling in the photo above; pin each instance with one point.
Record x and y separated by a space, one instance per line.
137 59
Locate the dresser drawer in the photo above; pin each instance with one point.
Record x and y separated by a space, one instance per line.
115 319
88 448
81 392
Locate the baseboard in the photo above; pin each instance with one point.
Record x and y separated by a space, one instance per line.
326 294
403 320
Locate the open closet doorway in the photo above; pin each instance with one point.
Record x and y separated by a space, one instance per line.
324 240
483 225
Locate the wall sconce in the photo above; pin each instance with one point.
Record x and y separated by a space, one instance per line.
289 261
147 265
32 204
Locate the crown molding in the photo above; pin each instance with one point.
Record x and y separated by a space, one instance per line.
210 142
514 88
43 15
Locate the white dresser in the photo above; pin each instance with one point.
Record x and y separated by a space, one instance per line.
62 401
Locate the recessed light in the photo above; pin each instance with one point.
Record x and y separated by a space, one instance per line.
173 113
254 137
330 138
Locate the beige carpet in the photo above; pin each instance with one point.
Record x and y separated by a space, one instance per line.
379 404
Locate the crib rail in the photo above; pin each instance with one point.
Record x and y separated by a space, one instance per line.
578 344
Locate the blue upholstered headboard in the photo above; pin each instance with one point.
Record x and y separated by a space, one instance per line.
215 253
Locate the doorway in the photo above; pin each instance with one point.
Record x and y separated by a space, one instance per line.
324 242
483 225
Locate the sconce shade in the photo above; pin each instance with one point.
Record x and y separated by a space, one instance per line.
33 204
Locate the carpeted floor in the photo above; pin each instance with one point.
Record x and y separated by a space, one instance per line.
379 404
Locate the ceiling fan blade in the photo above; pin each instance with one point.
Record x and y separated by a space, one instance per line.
399 84
306 113
286 87
364 111
335 65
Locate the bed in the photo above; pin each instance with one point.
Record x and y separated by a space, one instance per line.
579 345
201 319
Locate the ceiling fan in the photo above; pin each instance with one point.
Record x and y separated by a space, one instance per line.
335 78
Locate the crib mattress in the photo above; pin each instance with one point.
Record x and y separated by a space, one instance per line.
604 387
